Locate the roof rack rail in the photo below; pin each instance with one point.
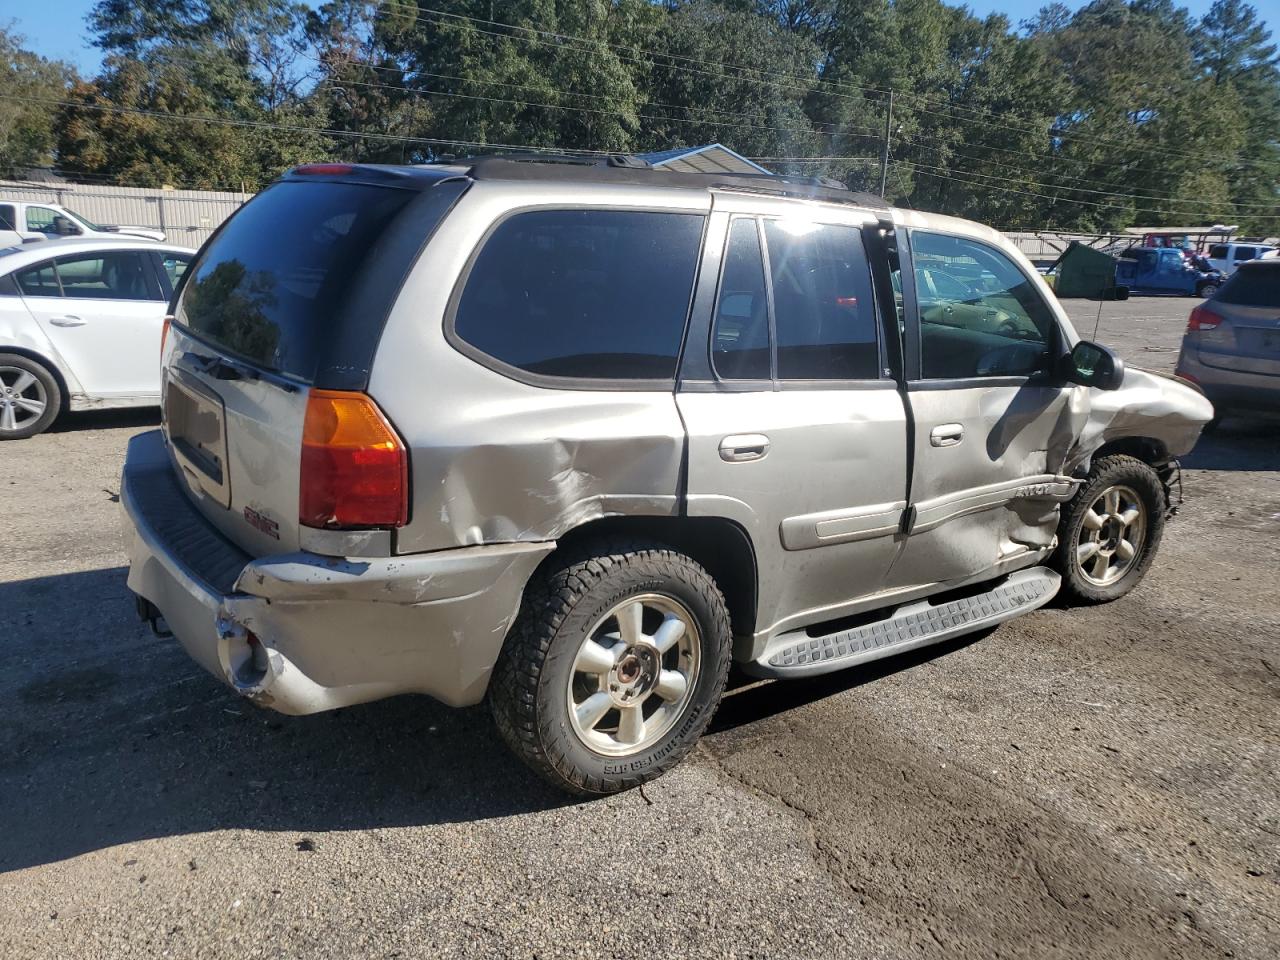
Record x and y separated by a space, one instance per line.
628 169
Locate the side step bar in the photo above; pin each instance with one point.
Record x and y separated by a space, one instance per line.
918 624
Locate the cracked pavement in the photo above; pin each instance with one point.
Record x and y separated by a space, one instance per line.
1084 783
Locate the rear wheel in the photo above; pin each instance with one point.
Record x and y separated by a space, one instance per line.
1109 532
29 397
614 668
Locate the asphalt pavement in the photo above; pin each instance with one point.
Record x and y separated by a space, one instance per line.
1084 783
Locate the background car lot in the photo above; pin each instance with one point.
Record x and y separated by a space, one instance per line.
1096 782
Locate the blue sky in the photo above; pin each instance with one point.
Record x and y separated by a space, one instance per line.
56 28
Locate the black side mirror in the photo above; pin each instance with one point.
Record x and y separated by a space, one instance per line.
1093 365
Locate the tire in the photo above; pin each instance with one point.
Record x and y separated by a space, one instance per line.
1206 290
1090 556
583 598
24 384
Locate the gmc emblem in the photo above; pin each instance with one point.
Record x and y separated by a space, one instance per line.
259 522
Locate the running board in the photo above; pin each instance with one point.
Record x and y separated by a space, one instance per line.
917 624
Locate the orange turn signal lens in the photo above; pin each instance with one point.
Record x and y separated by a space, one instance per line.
355 470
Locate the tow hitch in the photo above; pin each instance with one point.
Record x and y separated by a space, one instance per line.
149 612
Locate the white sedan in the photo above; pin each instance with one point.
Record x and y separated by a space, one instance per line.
80 326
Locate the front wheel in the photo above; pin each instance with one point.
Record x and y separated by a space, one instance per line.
1109 531
614 668
1206 290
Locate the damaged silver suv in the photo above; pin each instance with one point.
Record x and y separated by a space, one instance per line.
574 437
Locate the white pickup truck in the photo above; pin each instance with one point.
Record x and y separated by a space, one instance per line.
22 220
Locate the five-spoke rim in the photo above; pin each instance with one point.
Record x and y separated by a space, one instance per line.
1111 536
634 674
22 398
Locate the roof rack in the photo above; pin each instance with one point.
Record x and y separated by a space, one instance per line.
629 169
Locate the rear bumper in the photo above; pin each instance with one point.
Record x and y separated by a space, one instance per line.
1231 389
302 633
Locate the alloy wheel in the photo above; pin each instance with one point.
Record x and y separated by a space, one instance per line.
634 675
1112 535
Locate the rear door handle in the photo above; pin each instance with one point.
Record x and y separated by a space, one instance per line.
67 321
946 434
741 447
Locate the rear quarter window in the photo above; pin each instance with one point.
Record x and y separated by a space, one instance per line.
1253 287
582 294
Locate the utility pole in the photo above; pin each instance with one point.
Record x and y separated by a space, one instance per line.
884 155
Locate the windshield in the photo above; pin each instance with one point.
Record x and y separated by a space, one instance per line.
83 220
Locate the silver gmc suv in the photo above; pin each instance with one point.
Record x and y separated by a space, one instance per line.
576 436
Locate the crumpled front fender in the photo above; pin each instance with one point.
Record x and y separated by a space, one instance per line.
1147 405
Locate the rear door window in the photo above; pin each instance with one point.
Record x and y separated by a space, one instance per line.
39 281
582 294
270 286
824 314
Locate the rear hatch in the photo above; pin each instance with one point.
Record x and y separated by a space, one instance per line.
1248 337
290 295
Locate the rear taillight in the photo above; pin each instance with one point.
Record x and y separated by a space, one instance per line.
164 334
1202 318
355 471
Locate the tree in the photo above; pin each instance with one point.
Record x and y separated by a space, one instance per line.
1234 52
31 85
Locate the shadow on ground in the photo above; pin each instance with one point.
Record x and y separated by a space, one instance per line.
1239 443
114 735
106 419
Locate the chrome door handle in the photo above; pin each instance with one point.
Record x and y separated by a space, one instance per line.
67 321
741 447
946 434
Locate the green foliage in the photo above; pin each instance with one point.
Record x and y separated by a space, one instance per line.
27 137
1120 112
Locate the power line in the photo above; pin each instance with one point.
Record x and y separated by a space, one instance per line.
417 93
771 80
294 128
1049 186
923 169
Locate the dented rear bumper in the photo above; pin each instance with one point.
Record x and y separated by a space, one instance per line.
302 633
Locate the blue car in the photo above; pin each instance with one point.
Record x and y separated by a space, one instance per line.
1164 271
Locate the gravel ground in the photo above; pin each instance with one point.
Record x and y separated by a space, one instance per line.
1078 783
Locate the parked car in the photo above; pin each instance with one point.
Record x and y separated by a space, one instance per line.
80 326
1227 256
23 220
1164 271
573 437
1232 344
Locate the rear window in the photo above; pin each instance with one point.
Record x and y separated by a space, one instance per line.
271 285
583 294
1253 287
